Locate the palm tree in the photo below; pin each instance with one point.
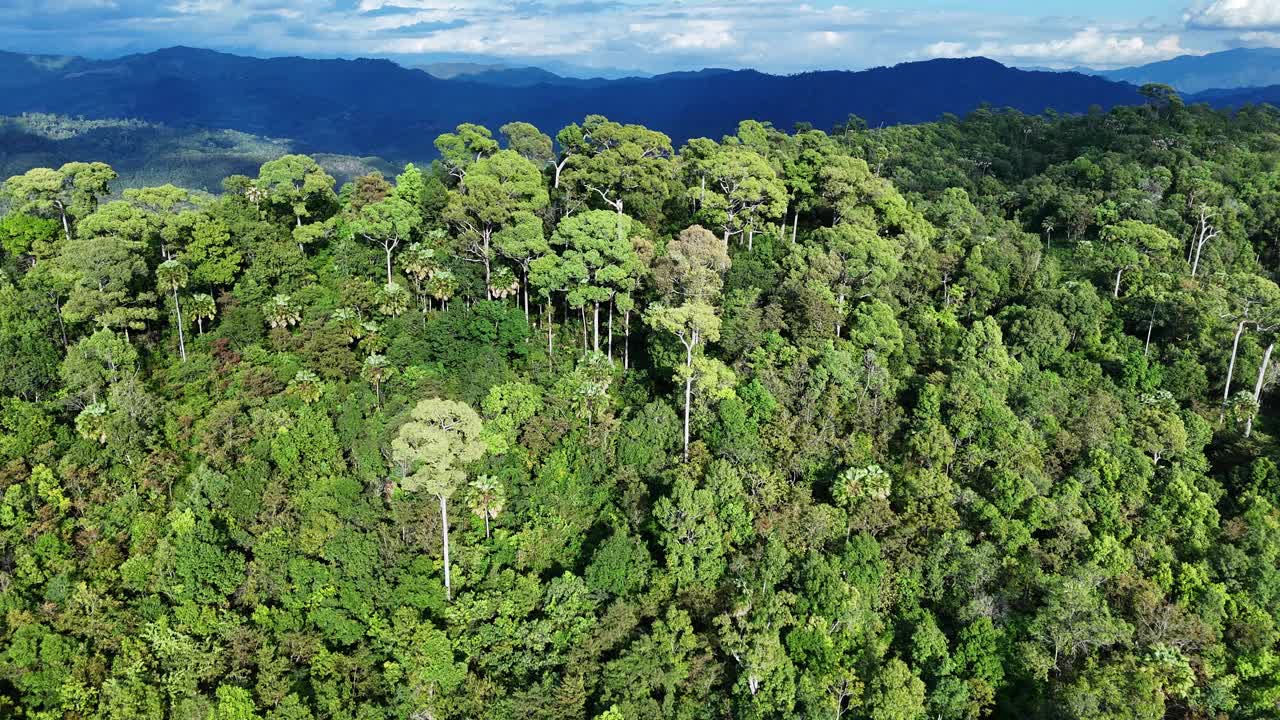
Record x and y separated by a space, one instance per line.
376 371
202 308
173 275
487 499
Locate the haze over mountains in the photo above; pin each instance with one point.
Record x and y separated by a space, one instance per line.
377 107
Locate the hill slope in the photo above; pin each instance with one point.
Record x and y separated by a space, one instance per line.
147 154
378 107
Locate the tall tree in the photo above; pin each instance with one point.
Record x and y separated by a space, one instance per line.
172 276
1133 245
296 186
67 194
532 144
464 147
599 257
387 224
522 241
742 193
432 450
690 277
494 193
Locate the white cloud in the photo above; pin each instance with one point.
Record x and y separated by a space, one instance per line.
945 50
1257 39
1236 15
700 35
1091 46
647 35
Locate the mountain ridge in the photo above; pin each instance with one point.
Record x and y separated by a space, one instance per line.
368 106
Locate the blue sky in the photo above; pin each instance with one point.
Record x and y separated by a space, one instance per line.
653 36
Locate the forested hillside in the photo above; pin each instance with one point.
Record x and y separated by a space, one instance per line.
145 154
958 420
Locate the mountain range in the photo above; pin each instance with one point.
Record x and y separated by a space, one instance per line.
1230 69
369 107
376 107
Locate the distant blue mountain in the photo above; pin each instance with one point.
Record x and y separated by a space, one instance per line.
504 76
1238 68
368 107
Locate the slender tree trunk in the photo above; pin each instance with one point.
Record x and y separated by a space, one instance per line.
582 315
795 226
488 273
486 522
444 530
182 340
524 289
551 349
595 327
610 330
1116 292
1257 388
66 224
388 248
1231 366
626 340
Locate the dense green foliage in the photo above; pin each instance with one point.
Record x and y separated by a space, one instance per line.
951 421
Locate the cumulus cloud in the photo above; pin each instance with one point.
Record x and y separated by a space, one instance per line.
1236 15
1090 46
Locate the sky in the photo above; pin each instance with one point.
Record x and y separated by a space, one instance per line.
649 36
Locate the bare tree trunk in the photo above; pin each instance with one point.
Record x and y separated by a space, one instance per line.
551 352
1257 388
1231 367
795 226
840 317
626 340
595 327
182 340
66 224
1116 293
488 273
444 530
524 288
610 330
